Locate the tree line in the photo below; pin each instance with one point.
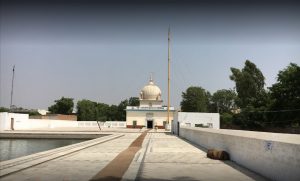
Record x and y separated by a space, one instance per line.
88 110
249 104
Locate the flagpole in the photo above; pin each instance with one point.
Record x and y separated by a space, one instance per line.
168 120
12 88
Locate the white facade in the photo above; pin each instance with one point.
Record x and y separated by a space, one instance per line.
195 119
42 111
149 117
8 121
150 113
22 122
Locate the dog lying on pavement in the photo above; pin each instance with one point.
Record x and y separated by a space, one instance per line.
218 154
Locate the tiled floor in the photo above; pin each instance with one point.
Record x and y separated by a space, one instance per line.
171 158
81 165
162 157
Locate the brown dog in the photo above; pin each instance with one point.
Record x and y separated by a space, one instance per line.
218 154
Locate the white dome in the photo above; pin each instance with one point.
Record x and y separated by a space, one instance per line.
150 92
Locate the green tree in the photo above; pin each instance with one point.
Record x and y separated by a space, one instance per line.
112 114
252 98
195 99
285 94
62 106
133 101
4 109
249 83
92 111
86 110
102 112
226 119
224 100
121 115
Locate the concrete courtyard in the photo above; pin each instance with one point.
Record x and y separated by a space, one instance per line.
162 157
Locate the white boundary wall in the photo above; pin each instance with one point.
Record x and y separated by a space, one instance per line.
22 122
190 119
5 119
273 155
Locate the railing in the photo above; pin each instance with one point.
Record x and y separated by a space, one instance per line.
148 108
106 124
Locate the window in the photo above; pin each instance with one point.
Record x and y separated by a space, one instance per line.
134 124
188 124
201 126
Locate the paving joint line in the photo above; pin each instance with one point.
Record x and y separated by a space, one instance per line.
116 169
143 159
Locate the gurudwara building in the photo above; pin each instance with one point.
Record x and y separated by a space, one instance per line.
150 113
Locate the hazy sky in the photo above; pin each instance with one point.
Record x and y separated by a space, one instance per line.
105 50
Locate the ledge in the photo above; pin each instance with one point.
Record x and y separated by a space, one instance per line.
279 137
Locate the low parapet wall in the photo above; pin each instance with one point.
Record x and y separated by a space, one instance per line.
15 121
273 155
49 123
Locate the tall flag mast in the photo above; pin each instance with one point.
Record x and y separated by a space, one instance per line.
12 88
169 33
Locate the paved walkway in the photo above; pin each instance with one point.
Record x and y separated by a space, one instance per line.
115 170
168 157
81 165
162 157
